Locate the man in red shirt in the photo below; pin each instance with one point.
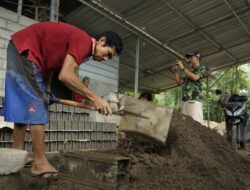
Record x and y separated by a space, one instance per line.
32 54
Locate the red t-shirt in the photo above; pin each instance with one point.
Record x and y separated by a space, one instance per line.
77 97
49 42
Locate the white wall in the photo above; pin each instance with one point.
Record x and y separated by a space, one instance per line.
103 75
9 23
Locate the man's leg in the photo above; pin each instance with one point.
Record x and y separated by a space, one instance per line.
40 166
18 136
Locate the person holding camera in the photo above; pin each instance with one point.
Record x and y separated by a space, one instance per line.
191 79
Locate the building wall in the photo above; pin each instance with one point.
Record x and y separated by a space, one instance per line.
10 22
103 75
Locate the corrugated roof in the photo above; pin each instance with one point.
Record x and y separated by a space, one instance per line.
219 29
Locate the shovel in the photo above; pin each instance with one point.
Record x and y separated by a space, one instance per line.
136 116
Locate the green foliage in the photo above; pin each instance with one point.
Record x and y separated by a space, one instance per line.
234 81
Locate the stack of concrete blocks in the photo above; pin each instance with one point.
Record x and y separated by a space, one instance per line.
69 128
10 22
98 170
6 137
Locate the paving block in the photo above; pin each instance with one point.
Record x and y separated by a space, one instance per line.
60 145
65 108
52 115
53 124
52 108
76 145
82 145
68 125
59 107
8 134
88 144
96 169
54 146
71 109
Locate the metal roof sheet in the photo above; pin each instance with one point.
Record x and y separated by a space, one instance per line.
219 29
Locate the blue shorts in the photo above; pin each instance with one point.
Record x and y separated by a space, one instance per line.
25 99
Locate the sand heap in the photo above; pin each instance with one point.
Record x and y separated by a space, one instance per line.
194 157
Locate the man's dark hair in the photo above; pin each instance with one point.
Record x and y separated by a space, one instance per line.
146 95
112 39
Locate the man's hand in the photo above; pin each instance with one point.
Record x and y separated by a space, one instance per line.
102 106
179 64
175 69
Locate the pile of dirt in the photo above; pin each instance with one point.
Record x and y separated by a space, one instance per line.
194 157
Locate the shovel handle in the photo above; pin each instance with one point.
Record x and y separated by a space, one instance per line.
75 104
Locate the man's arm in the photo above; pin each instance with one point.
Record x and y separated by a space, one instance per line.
188 73
68 76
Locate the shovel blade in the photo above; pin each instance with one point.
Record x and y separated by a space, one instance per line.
146 119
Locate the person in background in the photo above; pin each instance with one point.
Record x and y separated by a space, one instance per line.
76 96
146 96
191 81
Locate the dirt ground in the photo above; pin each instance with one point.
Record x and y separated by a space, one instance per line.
194 158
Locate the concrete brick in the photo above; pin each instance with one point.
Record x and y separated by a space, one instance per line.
65 108
75 125
9 15
13 26
3 23
52 107
60 146
53 125
25 21
81 125
99 170
71 109
59 107
76 145
59 116
53 146
82 145
5 34
60 125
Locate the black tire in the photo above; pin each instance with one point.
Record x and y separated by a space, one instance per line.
234 137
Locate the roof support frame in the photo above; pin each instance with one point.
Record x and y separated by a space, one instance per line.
132 28
216 21
200 31
237 17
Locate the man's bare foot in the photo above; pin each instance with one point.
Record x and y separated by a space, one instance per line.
43 168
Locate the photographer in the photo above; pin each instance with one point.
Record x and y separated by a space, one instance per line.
191 79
